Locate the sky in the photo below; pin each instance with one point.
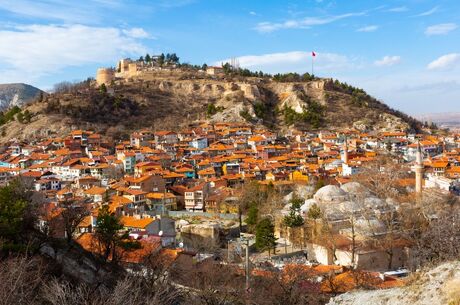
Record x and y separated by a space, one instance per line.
406 53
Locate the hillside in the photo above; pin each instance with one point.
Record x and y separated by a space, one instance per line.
438 286
17 95
172 102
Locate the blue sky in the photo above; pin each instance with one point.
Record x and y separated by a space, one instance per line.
406 53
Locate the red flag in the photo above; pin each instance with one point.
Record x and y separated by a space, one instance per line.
313 53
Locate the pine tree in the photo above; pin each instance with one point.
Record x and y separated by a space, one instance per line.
103 88
294 219
161 59
251 220
107 227
265 235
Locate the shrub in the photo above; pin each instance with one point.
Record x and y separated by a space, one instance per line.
212 109
245 114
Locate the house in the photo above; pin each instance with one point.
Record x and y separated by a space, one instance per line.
166 137
137 197
147 183
199 143
64 194
161 227
349 169
96 193
214 70
194 197
47 184
159 203
132 223
129 161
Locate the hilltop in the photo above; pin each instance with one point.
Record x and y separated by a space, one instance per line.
174 99
17 95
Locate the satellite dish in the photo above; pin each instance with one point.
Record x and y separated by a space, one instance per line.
160 233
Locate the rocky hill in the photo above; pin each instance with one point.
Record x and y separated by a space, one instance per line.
439 286
173 102
17 95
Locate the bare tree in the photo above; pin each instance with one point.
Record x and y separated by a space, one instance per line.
72 215
21 278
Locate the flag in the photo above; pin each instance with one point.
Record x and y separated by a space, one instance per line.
313 53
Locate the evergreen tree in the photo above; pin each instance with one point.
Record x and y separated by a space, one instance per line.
161 59
107 227
103 88
265 235
12 208
294 219
251 219
148 58
173 58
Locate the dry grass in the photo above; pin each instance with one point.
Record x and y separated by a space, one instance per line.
452 291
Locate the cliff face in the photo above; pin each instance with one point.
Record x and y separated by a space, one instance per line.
175 102
439 286
17 95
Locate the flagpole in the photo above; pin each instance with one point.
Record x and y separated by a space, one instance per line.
312 60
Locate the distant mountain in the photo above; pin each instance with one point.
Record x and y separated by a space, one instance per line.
17 95
447 119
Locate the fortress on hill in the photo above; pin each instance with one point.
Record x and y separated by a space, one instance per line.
138 69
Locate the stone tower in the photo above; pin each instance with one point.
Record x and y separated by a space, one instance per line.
418 168
105 76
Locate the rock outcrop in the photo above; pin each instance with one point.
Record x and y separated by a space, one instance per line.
438 286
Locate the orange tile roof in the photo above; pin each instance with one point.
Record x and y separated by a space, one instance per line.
133 222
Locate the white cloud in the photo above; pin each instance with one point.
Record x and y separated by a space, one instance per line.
85 11
445 62
305 23
137 33
440 29
33 51
252 13
369 28
388 61
295 61
399 9
66 11
429 12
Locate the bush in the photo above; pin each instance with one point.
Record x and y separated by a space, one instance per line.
312 115
293 77
245 114
9 115
260 109
212 109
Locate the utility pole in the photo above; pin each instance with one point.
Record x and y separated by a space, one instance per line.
247 265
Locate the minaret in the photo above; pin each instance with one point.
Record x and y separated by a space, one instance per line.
345 152
418 168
